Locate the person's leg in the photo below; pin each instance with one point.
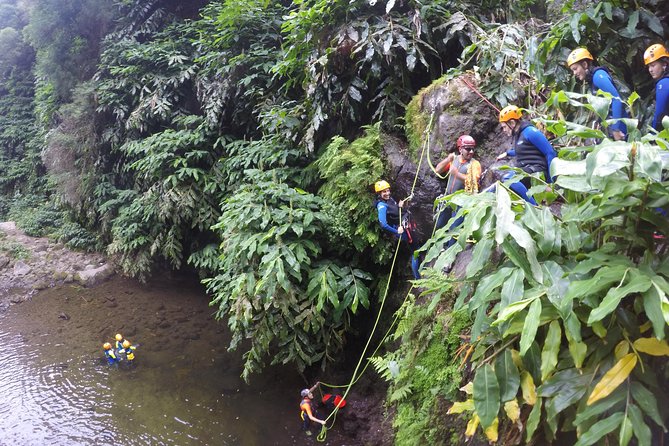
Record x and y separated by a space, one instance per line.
458 221
443 217
519 188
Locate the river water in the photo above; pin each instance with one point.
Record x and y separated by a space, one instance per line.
56 389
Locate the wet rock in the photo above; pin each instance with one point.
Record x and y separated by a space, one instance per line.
69 278
41 285
94 276
4 261
165 324
59 275
64 316
111 304
21 269
16 299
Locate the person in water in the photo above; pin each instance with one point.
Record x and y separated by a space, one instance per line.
582 65
129 352
388 213
307 413
656 58
531 148
118 344
110 354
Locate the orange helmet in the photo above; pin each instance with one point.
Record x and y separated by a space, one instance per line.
126 344
653 53
106 346
381 185
510 112
578 55
118 337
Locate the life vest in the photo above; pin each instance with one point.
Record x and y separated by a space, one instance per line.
111 356
130 353
392 211
305 408
529 157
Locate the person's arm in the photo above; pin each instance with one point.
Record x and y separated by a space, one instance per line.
534 135
661 103
445 164
511 152
311 416
602 81
382 210
318 383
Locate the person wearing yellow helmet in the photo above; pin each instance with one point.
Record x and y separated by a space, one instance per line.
118 344
111 356
388 214
656 58
582 65
129 352
533 151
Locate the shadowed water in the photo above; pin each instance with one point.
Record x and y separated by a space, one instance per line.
56 389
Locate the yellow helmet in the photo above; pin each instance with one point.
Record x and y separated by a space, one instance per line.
578 55
106 346
118 337
126 344
381 186
654 52
510 112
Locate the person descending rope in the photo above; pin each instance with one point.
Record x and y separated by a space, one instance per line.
531 148
582 65
464 173
307 413
656 58
388 211
112 358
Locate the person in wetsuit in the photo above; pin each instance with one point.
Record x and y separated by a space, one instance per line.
582 65
656 58
531 148
388 212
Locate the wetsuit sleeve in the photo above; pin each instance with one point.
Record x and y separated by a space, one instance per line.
661 103
534 135
602 81
382 209
511 152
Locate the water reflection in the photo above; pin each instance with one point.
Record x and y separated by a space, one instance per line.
56 389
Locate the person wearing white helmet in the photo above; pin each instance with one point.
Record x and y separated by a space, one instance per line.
307 410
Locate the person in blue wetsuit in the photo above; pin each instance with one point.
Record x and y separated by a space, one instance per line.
656 58
388 211
112 358
531 148
582 64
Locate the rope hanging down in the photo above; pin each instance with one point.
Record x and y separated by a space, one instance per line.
323 433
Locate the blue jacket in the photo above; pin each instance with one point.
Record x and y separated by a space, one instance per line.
388 210
661 102
602 80
533 135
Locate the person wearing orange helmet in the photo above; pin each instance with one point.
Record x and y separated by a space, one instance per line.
656 58
530 147
464 172
582 65
388 213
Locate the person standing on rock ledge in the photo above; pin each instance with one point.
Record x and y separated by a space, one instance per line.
464 172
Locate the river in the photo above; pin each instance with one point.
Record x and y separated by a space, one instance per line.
185 389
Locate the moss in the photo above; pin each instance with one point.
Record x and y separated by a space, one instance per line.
416 118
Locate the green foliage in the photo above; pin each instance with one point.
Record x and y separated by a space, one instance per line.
570 296
36 215
424 371
348 171
272 284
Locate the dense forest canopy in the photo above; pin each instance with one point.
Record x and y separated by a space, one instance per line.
240 139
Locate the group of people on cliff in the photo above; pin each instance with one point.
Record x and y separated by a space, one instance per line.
533 151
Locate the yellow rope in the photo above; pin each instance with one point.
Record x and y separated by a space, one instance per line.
323 434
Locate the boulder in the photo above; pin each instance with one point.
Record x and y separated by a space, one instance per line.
21 269
90 277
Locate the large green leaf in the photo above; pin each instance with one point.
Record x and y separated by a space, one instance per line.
549 354
641 429
647 402
486 395
530 327
600 429
508 376
637 283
